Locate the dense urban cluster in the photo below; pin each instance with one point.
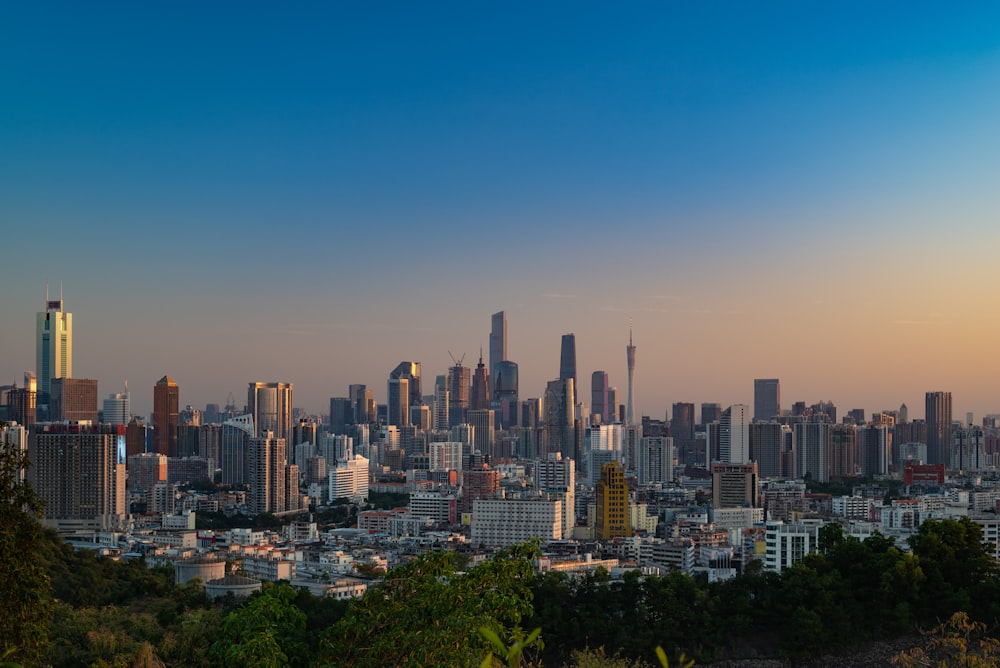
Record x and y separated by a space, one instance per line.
235 497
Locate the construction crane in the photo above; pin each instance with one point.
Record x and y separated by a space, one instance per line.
458 362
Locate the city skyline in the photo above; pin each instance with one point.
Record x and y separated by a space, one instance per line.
803 193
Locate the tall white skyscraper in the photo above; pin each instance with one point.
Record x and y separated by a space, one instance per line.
734 435
53 345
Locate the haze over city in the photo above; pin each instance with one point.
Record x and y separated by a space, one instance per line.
232 195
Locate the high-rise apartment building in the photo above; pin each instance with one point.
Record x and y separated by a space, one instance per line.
938 418
166 416
812 450
656 457
79 470
267 474
498 340
843 451
234 440
734 435
53 348
766 399
73 399
599 397
270 404
612 518
873 448
484 434
767 446
441 403
505 397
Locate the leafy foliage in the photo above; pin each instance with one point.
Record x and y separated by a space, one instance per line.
425 613
24 585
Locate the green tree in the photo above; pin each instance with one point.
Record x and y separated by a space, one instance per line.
426 613
24 585
267 631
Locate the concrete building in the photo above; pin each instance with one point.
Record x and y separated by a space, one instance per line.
267 462
735 485
787 544
73 400
505 522
79 471
270 404
766 399
349 479
612 503
166 416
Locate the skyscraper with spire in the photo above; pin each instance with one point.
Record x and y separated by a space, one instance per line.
53 348
480 399
630 357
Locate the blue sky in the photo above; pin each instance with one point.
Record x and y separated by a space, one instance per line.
237 192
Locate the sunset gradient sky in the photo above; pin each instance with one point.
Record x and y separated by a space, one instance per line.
232 192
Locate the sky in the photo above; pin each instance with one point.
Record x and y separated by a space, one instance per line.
237 192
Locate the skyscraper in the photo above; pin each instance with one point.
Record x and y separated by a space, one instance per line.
766 399
938 418
599 396
812 450
270 404
411 372
498 341
397 401
560 415
117 408
22 403
441 403
53 348
458 393
480 399
79 470
734 435
166 402
505 397
630 358
567 358
73 399
267 464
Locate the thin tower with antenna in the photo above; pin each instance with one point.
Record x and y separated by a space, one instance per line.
630 356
